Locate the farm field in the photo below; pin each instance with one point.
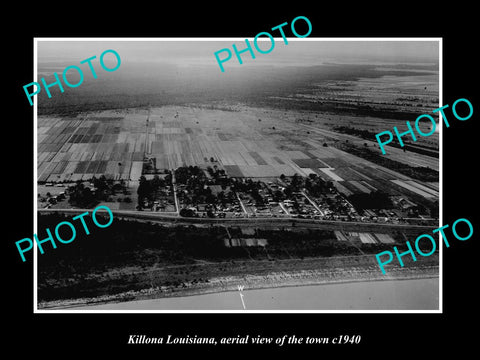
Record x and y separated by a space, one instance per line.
71 149
291 130
246 142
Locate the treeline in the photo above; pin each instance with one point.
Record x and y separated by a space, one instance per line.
123 241
370 135
364 134
128 243
133 86
122 256
83 196
148 189
373 200
192 176
419 173
317 186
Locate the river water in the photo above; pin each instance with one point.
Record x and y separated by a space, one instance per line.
414 294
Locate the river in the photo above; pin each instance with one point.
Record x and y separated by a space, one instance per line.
413 294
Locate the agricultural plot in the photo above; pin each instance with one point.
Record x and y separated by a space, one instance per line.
248 143
364 238
90 145
245 242
417 188
384 238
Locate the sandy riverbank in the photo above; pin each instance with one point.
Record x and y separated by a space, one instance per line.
388 295
271 280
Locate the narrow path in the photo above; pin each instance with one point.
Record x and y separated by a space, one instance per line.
313 203
283 208
241 204
174 189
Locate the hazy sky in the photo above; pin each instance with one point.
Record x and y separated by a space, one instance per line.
297 52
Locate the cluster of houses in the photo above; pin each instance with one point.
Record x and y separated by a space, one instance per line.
51 199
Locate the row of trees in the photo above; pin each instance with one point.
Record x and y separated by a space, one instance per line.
198 189
370 135
128 242
202 194
364 134
192 176
83 196
316 186
419 173
374 200
216 173
105 187
149 189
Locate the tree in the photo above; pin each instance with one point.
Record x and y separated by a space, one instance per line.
115 188
308 184
143 190
288 191
278 194
210 198
434 209
187 212
296 205
297 181
87 197
374 200
100 183
156 182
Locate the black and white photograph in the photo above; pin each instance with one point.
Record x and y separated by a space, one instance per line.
237 179
259 187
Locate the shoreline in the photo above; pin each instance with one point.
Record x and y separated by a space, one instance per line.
250 282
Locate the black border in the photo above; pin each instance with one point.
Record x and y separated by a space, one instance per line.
382 334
